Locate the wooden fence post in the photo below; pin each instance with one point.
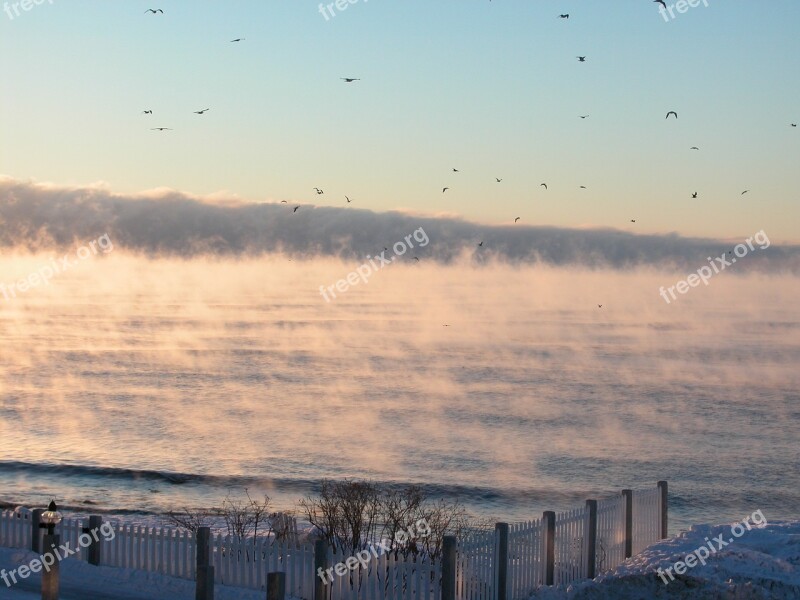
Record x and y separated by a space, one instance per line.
549 549
662 486
320 566
590 553
204 588
276 586
501 537
449 568
628 494
93 554
36 530
51 575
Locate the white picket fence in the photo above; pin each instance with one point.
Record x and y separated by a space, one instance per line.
246 563
525 564
610 533
15 529
569 540
389 577
476 556
646 519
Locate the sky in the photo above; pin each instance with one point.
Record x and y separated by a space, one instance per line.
493 89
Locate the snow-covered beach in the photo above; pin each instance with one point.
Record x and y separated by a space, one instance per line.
764 563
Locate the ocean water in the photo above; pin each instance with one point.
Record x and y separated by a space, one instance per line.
135 385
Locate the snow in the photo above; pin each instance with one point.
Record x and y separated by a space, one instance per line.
82 581
763 563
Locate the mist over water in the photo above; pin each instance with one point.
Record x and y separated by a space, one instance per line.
139 384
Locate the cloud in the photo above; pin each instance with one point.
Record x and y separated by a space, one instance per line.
36 217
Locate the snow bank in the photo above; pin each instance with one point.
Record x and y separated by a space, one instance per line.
763 563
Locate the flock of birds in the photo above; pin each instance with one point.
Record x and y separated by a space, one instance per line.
349 80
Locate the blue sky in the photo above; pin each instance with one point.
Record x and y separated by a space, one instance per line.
491 88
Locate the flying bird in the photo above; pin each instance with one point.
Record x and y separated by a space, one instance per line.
283 202
744 192
694 148
672 112
148 112
583 187
564 16
794 124
498 179
633 220
599 306
348 199
349 79
160 129
295 209
543 185
517 219
237 40
480 245
661 2
444 190
455 170
154 11
694 195
319 191
200 112
581 58
583 116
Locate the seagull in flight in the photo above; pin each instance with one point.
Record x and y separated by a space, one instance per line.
581 58
661 2
694 195
154 11
599 306
348 199
794 124
480 245
633 220
744 192
564 16
694 148
583 187
517 219
455 170
237 40
319 191
444 190
200 112
543 185
147 112
583 116
349 79
295 209
498 179
672 112
160 129
284 202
